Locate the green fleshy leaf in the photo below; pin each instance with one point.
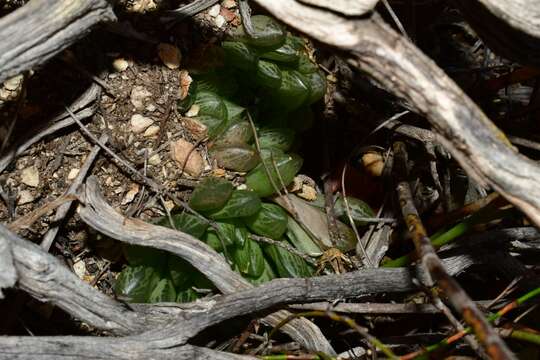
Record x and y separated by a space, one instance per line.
317 83
215 125
279 138
211 194
287 165
305 65
187 295
268 74
238 157
288 53
187 223
228 232
241 203
238 133
270 221
234 111
268 33
240 55
358 210
211 105
267 275
249 258
292 94
136 283
180 271
300 239
163 292
287 264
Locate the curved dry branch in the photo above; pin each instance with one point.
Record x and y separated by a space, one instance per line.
480 148
34 33
510 28
95 348
45 278
99 215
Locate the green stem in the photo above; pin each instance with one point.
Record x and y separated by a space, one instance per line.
527 336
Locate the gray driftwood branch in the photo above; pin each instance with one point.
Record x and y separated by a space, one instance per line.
36 32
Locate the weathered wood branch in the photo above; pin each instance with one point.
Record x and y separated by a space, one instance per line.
95 348
99 215
395 63
510 28
34 33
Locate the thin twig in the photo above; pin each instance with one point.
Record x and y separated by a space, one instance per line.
284 245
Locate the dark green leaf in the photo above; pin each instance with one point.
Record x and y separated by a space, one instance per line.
305 65
268 74
211 104
187 295
241 203
211 194
163 292
358 210
249 258
288 53
234 111
136 283
187 223
270 221
267 275
215 125
228 233
288 166
300 238
293 92
287 264
280 138
240 55
181 272
238 157
237 133
317 83
268 33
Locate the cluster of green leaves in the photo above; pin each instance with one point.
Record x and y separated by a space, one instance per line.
272 76
153 275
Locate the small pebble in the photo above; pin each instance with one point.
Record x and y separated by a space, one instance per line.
229 4
73 174
13 83
193 110
138 96
220 21
120 64
170 55
151 131
30 176
180 150
154 160
24 197
140 123
214 10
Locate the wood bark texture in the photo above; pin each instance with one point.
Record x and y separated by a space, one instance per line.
39 30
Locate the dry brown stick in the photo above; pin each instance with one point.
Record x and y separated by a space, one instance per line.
30 218
488 337
36 32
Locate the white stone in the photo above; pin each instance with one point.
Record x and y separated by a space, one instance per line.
214 10
140 123
138 96
151 131
13 83
24 197
120 64
154 160
220 21
193 110
73 174
30 176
